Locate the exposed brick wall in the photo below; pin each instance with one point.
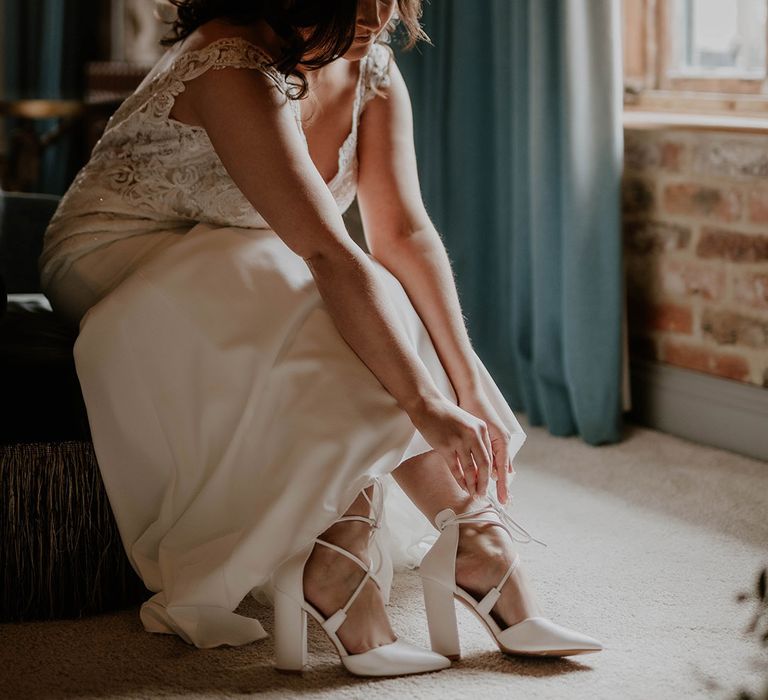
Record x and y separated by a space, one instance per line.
695 208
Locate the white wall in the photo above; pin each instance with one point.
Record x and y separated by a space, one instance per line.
137 30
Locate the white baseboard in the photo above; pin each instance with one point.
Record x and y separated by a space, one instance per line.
700 407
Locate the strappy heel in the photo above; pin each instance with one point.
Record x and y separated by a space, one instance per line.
537 636
291 609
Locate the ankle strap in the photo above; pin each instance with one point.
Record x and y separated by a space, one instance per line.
372 521
346 553
337 619
449 517
511 523
376 509
490 598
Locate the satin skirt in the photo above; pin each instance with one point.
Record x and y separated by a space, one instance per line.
233 424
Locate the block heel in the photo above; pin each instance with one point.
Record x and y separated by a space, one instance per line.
290 634
441 619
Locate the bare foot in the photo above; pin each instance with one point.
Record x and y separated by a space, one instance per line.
330 579
483 557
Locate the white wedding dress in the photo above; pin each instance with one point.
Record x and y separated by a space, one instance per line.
231 421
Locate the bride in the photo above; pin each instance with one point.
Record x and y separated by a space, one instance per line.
261 392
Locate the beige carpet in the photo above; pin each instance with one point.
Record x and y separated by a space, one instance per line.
649 542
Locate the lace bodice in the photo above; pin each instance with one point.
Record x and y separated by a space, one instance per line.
150 172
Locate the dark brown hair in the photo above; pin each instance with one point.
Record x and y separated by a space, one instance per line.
331 25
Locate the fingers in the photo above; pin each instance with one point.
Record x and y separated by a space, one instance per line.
501 482
500 465
482 470
487 441
485 463
476 462
471 459
470 471
454 466
462 474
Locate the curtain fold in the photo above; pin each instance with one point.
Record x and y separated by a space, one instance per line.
46 43
517 117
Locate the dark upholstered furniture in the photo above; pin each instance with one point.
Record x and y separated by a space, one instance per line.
60 551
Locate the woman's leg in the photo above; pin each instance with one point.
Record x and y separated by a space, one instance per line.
330 578
485 551
94 275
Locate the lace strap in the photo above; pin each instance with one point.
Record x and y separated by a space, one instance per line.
378 62
228 52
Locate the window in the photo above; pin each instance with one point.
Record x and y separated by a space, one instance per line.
702 56
712 38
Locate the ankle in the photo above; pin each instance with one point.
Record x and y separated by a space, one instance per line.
482 552
486 538
329 578
326 564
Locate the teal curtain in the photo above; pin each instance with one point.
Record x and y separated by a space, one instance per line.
517 118
46 44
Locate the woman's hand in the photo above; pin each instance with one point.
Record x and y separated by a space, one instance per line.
478 405
460 438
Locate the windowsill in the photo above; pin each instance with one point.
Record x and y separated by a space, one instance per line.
634 118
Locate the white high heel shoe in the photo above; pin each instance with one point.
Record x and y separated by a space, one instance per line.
291 608
533 636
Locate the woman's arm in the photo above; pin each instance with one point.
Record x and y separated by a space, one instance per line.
253 130
401 236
